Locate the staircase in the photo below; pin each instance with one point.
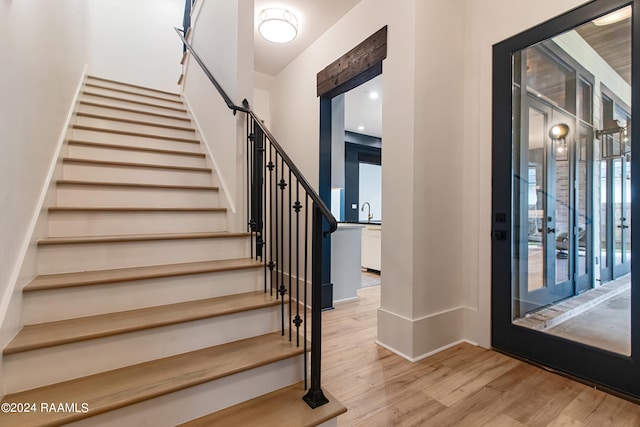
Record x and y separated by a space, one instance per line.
147 310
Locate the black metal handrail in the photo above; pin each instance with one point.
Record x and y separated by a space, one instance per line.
270 172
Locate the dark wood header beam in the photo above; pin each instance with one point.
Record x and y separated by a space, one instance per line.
357 61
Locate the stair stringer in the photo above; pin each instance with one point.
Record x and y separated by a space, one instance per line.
236 212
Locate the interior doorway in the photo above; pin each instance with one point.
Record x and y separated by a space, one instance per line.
364 65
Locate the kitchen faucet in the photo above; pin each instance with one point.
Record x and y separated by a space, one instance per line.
369 216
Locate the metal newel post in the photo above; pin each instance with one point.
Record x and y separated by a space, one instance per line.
315 397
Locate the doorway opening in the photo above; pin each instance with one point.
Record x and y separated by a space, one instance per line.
350 169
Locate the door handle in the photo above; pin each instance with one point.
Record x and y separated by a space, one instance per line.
551 230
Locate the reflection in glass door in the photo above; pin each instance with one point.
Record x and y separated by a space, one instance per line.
621 217
615 200
548 260
544 263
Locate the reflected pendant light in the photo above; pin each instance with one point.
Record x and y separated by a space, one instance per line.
277 25
613 17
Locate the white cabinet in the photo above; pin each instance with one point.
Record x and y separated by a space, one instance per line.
371 246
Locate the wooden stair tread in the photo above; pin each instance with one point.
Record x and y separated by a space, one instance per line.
134 148
132 209
133 110
68 182
131 101
125 386
139 238
131 92
43 335
133 85
74 160
134 122
86 278
140 134
282 408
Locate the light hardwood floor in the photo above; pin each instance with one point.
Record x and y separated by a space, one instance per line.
462 386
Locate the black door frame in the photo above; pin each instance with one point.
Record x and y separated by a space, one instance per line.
610 370
324 169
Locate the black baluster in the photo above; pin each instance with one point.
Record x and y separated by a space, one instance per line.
282 289
250 147
297 321
271 264
306 263
290 258
256 191
277 247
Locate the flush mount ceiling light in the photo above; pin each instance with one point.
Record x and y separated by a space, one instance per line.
277 25
613 17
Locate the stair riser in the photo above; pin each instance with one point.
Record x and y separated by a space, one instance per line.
112 112
80 257
69 303
97 196
70 224
128 104
134 141
133 97
119 155
140 90
185 405
133 127
133 174
68 361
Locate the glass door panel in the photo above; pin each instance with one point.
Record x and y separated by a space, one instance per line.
621 217
554 149
563 242
562 200
605 223
537 236
544 262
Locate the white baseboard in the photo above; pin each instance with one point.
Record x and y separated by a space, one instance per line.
423 356
210 156
416 339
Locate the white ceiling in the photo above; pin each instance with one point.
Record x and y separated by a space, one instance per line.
314 18
361 110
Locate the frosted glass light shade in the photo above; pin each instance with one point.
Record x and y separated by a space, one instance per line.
278 25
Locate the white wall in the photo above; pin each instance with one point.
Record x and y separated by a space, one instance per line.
222 36
43 46
370 183
262 96
134 41
436 184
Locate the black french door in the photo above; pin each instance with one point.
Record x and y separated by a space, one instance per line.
549 189
544 176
